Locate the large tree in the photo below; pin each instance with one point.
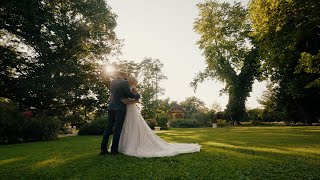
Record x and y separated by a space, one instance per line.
287 33
50 51
230 55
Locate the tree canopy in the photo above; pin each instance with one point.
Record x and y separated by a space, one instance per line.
287 33
50 53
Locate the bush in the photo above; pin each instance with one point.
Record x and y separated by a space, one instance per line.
185 123
37 129
162 121
151 123
96 127
222 123
255 123
14 127
203 119
11 121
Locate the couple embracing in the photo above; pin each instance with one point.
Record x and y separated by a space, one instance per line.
132 136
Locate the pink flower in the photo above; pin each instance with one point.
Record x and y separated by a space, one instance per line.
27 113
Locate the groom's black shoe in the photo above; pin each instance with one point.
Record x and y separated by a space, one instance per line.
114 152
103 152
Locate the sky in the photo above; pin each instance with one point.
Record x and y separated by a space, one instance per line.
163 29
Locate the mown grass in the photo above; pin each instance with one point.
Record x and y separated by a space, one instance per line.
227 153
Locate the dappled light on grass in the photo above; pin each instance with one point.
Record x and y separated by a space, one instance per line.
10 160
60 160
226 153
50 162
180 137
274 150
240 156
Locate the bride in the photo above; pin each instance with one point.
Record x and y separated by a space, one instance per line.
137 139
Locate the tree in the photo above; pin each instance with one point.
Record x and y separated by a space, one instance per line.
287 33
229 52
151 75
216 107
196 110
193 105
163 106
271 112
50 52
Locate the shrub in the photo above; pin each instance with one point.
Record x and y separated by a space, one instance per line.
185 123
14 127
221 123
203 119
256 123
151 123
37 129
162 121
96 127
11 121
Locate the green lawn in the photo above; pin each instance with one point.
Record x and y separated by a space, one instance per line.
227 153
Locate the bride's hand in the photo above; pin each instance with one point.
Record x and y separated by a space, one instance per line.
135 90
125 101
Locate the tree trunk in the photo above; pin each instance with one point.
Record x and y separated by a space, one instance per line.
236 110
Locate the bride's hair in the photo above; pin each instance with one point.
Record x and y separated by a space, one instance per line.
133 79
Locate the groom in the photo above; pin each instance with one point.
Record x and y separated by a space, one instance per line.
117 110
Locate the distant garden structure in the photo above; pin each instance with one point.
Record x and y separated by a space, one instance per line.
177 112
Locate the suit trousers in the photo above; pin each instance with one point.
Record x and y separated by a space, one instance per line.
115 119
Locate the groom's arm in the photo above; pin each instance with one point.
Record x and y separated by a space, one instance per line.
129 101
128 92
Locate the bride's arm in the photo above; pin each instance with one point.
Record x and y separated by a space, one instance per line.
135 90
130 101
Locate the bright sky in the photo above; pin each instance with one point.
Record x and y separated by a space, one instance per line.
163 29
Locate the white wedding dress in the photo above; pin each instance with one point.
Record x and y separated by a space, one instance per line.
138 139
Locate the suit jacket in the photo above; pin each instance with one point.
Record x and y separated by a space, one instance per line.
120 89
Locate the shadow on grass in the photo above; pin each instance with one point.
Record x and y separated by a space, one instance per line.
227 153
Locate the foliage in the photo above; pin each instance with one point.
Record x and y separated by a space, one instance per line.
184 123
222 123
162 121
229 53
50 53
10 121
95 127
151 123
255 114
310 64
195 109
287 153
163 106
14 127
192 105
204 119
287 33
152 75
220 115
38 129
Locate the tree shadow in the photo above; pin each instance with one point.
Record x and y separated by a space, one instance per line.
225 154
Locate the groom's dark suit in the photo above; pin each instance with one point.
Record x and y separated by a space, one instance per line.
117 110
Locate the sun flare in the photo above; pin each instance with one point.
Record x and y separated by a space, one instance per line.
109 69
